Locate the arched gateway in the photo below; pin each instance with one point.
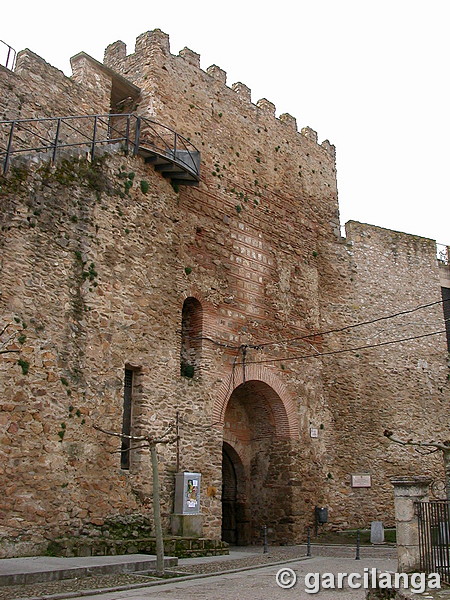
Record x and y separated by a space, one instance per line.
259 431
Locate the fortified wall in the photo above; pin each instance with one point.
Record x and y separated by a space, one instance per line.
215 301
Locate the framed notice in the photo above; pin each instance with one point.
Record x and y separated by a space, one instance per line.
361 480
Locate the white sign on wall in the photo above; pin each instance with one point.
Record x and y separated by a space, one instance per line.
361 480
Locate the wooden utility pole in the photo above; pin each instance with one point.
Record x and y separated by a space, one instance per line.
146 441
177 432
157 512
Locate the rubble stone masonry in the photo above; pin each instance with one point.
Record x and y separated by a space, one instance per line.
97 260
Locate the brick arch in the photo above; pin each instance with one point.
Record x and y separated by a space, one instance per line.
192 291
208 321
193 308
191 337
209 311
282 402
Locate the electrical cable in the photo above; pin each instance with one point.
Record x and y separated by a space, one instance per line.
210 193
360 324
331 352
262 345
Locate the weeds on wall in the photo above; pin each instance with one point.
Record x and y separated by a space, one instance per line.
14 181
25 366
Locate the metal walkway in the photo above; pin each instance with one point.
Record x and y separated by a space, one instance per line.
174 156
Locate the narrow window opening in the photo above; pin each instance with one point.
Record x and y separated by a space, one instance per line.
191 334
126 419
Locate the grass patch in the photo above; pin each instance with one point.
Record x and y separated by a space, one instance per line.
348 537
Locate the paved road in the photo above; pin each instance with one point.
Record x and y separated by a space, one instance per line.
256 584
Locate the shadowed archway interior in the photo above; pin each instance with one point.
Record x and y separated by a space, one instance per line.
256 465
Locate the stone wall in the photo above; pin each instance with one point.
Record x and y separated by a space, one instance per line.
96 268
36 89
63 285
267 226
403 386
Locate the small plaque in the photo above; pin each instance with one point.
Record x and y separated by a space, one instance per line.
361 480
314 432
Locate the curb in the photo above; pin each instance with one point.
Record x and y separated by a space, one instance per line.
134 586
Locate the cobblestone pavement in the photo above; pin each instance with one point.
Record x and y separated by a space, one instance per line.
244 558
255 584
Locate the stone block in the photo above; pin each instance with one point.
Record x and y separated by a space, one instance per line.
404 510
187 525
309 133
408 559
266 106
408 534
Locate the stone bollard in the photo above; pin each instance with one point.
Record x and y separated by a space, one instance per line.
407 491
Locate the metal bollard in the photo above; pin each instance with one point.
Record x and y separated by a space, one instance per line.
264 532
308 543
358 543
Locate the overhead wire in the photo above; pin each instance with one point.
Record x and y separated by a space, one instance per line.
332 352
209 192
261 345
360 324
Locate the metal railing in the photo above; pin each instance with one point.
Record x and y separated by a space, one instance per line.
7 55
434 537
443 253
138 135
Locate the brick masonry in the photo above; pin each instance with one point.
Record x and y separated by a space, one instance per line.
94 275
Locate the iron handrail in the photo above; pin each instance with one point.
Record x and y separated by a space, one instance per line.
35 133
443 253
20 123
11 56
172 150
133 136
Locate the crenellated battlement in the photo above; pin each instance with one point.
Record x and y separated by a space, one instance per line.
152 50
151 42
190 56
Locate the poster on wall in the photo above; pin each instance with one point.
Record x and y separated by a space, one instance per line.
192 493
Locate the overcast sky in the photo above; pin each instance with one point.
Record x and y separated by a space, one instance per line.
371 77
